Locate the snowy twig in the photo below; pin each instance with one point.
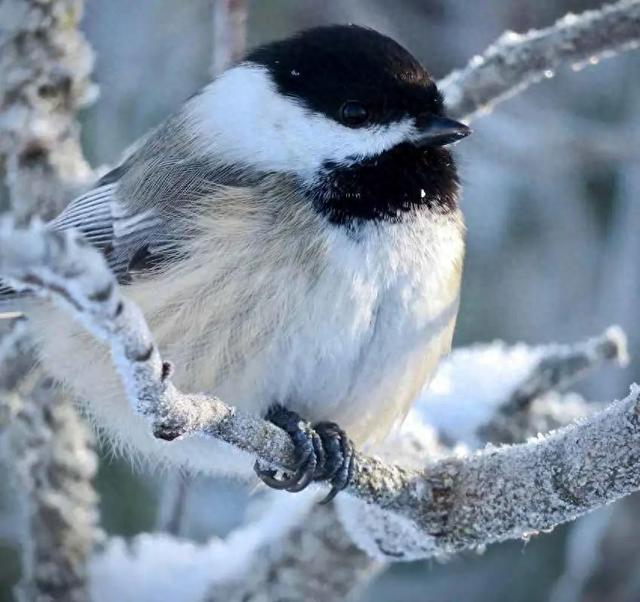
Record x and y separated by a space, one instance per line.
563 367
515 61
229 33
452 504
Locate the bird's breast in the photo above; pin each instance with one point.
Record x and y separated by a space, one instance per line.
357 341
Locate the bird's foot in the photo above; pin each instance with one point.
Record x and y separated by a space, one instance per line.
324 453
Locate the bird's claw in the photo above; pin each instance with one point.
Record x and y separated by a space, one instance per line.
324 451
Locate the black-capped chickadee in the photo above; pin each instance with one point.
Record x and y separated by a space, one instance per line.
293 236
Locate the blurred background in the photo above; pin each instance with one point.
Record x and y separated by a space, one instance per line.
552 202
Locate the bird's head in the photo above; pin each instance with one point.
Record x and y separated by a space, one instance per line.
328 98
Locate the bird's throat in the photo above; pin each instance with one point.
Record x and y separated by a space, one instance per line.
387 187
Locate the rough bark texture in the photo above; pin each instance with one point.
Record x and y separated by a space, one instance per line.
55 463
516 61
44 78
274 561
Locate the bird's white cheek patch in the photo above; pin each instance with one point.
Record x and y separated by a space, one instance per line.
242 117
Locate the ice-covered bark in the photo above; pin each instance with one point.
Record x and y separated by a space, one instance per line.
515 61
473 383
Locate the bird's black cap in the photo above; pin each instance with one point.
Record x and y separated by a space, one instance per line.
328 66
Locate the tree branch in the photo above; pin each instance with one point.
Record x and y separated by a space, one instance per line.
452 504
276 565
55 463
515 61
45 65
560 366
564 365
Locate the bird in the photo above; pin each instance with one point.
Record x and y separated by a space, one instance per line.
293 235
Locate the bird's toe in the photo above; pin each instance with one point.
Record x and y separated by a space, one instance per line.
324 452
339 456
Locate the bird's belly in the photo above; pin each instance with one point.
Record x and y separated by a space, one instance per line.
357 350
363 380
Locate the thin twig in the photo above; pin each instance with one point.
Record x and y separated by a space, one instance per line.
515 61
564 365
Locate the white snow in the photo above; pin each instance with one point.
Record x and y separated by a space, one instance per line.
470 384
157 566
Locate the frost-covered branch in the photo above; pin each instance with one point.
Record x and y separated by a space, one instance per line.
63 266
563 367
464 405
292 555
533 406
448 505
55 464
45 65
515 61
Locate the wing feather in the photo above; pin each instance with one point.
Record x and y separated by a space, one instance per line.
134 214
123 234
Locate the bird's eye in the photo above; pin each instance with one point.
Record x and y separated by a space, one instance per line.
353 113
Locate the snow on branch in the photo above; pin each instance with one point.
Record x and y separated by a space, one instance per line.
565 365
55 463
63 266
449 505
313 556
469 400
515 60
532 406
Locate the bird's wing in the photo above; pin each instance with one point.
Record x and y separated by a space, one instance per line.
138 214
132 240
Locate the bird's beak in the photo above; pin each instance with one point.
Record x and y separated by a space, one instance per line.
434 130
